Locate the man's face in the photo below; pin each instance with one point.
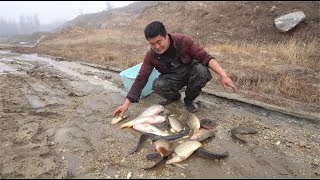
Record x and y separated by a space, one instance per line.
159 43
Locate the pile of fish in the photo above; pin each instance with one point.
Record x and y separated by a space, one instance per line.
163 140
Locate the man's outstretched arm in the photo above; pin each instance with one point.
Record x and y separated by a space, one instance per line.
225 80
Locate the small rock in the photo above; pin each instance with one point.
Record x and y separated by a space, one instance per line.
302 144
278 142
273 8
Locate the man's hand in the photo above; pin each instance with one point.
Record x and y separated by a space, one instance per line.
226 81
122 109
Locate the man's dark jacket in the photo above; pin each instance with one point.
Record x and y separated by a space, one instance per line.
190 50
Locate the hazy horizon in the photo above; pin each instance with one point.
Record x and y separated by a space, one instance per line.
53 11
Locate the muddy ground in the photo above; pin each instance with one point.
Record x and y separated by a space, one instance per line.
55 123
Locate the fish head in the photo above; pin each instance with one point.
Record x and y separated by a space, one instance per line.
164 147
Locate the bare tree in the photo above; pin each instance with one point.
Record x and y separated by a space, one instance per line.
8 27
36 22
29 24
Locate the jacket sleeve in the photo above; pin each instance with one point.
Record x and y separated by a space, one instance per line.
196 51
141 79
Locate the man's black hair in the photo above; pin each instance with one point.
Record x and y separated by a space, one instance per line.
154 29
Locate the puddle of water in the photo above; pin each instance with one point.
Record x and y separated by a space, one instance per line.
5 59
5 51
74 69
71 68
5 68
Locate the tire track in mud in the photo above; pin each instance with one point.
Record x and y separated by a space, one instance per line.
23 140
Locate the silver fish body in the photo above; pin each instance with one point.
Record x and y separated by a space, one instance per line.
203 134
152 110
148 128
194 123
152 119
175 124
183 151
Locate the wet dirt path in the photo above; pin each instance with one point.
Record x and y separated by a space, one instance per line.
55 123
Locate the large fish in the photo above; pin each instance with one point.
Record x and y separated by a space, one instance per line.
241 130
203 134
175 124
152 119
183 151
148 128
194 123
152 110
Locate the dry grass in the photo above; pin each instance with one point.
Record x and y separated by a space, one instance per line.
291 52
104 47
288 69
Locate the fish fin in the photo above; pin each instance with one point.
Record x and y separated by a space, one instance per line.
185 137
178 165
127 124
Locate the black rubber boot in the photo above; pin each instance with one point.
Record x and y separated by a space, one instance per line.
169 101
190 105
165 102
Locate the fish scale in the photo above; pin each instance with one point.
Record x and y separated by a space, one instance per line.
194 123
153 119
175 124
183 151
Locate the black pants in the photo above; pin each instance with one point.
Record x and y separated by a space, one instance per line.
195 76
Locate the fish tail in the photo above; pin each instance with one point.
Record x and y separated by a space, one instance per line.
124 125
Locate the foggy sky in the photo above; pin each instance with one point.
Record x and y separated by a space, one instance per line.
53 11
